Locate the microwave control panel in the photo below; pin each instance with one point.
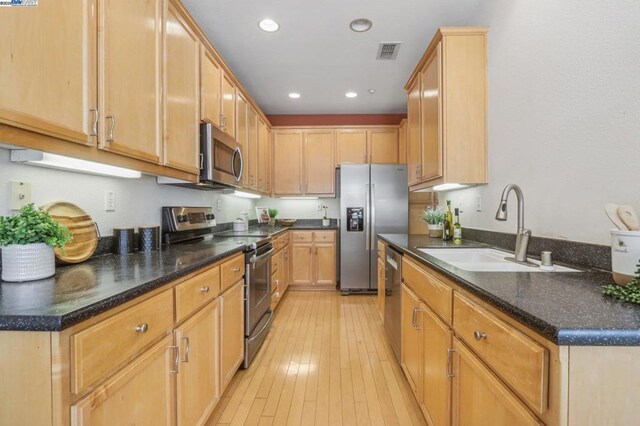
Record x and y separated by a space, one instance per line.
355 219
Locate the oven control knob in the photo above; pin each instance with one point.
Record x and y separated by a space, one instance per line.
182 218
211 216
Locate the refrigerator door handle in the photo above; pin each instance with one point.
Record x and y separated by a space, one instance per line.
367 231
372 220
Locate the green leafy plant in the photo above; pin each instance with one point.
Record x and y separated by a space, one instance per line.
433 216
627 293
31 226
325 217
273 213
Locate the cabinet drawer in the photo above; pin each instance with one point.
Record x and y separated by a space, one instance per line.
231 272
275 262
302 237
101 348
431 290
324 236
520 361
197 291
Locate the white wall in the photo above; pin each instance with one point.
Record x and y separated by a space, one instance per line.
301 209
564 114
138 201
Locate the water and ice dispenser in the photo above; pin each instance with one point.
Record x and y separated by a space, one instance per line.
355 219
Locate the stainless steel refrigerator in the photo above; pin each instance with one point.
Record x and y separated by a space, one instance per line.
373 200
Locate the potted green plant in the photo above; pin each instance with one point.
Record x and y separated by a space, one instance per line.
272 217
27 240
325 219
434 218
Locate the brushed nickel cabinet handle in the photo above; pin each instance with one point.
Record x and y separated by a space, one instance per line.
236 269
449 363
205 289
479 335
112 128
142 328
186 348
96 116
176 359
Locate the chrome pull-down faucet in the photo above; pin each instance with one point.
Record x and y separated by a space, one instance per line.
523 234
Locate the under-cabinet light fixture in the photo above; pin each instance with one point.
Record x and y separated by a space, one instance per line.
60 162
242 194
449 187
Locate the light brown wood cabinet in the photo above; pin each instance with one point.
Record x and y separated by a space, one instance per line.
313 259
351 146
376 145
51 87
210 88
287 154
383 146
381 287
412 337
252 167
319 162
402 142
228 107
182 91
231 332
447 110
242 135
198 380
264 157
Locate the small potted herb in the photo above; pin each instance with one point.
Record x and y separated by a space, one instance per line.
325 219
27 240
272 217
434 218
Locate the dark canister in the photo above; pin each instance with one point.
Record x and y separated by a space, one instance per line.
148 238
123 240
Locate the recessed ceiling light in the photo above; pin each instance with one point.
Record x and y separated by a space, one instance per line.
372 91
269 25
294 95
351 94
360 25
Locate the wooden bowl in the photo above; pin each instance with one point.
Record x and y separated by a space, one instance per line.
286 222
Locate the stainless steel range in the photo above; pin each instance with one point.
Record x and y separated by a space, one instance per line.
190 224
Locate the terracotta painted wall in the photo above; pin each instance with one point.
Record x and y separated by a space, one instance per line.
336 119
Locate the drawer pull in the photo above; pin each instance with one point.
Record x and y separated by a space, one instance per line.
142 328
414 318
186 349
449 365
479 335
205 289
236 269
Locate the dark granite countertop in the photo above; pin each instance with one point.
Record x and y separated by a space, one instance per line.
567 308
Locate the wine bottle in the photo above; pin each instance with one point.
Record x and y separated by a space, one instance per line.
447 226
457 229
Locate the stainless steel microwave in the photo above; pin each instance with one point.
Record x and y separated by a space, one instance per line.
220 157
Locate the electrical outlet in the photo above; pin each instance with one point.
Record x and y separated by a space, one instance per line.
461 204
20 195
219 204
478 203
319 207
110 200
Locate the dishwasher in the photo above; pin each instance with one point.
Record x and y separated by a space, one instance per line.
392 300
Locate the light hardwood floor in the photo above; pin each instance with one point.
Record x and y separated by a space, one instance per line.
326 361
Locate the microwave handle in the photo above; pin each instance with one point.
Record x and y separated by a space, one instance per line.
238 175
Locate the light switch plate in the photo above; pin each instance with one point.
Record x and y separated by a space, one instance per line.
109 201
20 195
219 204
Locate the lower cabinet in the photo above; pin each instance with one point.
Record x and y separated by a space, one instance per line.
479 398
141 393
302 264
231 332
313 259
381 291
325 267
411 346
198 381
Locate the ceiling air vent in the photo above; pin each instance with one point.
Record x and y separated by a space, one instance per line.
388 50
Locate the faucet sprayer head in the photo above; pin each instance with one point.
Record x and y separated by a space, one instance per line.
501 214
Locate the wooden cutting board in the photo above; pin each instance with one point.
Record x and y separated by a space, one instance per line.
82 227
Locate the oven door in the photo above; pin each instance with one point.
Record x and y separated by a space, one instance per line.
257 286
220 157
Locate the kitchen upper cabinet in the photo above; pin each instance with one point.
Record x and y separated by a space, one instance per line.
264 157
130 51
198 377
287 152
383 146
402 142
231 332
48 70
182 90
252 167
228 105
478 395
210 88
141 393
412 338
447 110
242 135
351 146
319 163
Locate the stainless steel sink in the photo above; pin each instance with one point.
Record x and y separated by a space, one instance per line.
487 260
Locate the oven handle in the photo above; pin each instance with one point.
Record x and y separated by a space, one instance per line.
255 258
266 324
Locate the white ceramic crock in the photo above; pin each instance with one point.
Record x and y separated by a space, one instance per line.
326 222
625 255
27 262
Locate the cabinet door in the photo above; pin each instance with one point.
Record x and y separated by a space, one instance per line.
228 105
231 332
198 378
287 155
210 84
48 70
242 136
436 385
430 107
411 347
479 397
141 393
130 50
264 158
351 146
182 90
286 268
325 264
381 283
383 146
253 149
402 142
320 169
301 264
414 150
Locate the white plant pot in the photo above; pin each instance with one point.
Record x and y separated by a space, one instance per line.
326 222
625 255
27 262
435 231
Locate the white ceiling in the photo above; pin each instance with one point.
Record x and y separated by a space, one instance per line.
316 54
